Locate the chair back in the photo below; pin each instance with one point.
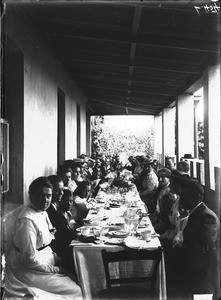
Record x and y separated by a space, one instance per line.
132 255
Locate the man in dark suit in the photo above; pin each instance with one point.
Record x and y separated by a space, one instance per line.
193 262
57 193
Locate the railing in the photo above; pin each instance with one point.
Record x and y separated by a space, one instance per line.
160 159
197 170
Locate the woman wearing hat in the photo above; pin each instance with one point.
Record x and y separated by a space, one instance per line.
161 221
163 188
148 181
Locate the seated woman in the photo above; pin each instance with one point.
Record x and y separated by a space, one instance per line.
161 219
148 181
96 180
81 201
132 164
138 168
163 189
66 231
32 267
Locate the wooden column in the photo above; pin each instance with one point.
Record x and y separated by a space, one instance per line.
185 125
169 131
158 136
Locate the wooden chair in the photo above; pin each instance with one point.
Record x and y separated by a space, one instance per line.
130 291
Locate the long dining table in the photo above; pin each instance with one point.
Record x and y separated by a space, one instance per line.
109 215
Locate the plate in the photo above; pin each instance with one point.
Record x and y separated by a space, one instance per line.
118 221
101 201
113 241
119 233
134 243
135 206
85 235
144 225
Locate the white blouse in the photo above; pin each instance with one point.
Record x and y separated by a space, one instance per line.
31 234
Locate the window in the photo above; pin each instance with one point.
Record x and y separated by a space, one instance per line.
5 155
78 129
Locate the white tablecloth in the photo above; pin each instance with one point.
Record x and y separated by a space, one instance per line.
90 271
89 264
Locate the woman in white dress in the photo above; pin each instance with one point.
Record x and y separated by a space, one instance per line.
31 266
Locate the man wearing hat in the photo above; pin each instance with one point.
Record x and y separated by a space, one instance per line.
148 181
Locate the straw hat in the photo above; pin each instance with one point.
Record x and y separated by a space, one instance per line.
146 160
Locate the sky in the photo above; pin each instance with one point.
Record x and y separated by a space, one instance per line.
199 109
134 124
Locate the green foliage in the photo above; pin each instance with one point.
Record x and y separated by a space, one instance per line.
108 140
96 133
201 140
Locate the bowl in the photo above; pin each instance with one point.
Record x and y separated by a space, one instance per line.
85 230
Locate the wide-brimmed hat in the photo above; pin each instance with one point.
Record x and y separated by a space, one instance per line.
164 172
146 161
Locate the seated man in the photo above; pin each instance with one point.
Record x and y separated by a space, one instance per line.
57 193
65 173
77 174
116 163
191 266
65 231
169 163
183 167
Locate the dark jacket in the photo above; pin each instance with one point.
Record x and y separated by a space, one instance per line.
53 215
200 233
193 266
63 236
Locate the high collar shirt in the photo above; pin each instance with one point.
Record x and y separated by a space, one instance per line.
192 210
32 233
